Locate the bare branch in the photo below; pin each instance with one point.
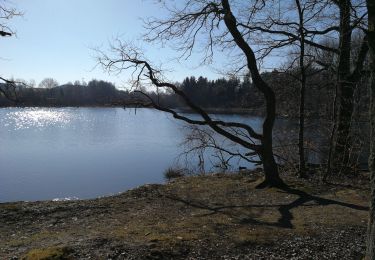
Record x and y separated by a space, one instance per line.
130 57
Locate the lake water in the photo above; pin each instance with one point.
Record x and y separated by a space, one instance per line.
49 153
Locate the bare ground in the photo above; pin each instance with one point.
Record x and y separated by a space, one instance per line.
218 216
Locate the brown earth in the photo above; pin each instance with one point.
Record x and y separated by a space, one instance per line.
218 216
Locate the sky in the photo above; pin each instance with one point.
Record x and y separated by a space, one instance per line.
56 38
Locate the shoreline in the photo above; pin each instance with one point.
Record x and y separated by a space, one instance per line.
219 216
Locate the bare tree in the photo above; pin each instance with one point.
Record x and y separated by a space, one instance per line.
217 23
293 23
322 21
301 33
200 141
48 83
370 253
7 13
351 17
8 87
301 23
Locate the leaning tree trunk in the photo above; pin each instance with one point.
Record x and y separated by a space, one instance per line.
371 225
370 253
272 178
271 172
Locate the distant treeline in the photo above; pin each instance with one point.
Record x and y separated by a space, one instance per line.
233 93
95 93
223 94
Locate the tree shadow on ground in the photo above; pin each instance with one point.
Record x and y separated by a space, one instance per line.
285 210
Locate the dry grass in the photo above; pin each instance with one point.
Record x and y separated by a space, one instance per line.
50 253
210 208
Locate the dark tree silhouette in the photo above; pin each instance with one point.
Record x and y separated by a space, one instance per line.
8 86
370 253
7 13
347 79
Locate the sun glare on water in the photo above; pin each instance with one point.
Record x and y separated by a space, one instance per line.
37 118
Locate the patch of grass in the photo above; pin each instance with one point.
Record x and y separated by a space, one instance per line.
48 253
34 238
160 231
351 196
256 236
173 173
11 206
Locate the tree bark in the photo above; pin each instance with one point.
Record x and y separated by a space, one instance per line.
370 253
347 83
301 147
345 89
271 173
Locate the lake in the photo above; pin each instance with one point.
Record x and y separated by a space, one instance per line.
65 153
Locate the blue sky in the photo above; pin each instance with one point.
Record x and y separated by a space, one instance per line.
55 39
